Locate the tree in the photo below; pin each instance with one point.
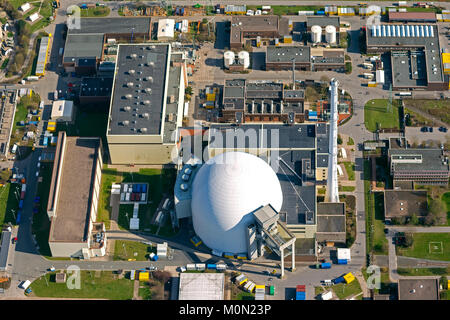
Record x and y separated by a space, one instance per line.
339 139
414 219
408 240
436 214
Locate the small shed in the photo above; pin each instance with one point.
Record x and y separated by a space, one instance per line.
60 277
25 7
343 254
34 17
63 111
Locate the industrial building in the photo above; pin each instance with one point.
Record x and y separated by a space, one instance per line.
73 199
42 56
418 289
323 22
331 225
4 250
95 91
246 101
421 17
405 203
165 29
415 54
87 41
305 58
147 102
63 111
251 27
423 166
201 286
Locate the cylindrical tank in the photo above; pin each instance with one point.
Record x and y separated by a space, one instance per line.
228 58
330 34
316 34
244 59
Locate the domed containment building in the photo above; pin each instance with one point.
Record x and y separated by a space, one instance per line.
225 193
234 200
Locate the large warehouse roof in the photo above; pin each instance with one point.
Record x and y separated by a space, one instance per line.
139 90
121 25
201 286
72 179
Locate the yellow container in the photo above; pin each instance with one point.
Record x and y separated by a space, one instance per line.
211 97
243 281
144 276
349 277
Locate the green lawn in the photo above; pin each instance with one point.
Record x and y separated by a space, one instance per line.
9 203
287 10
375 111
423 271
318 290
350 141
446 200
22 107
160 182
145 293
350 169
433 246
124 250
106 286
347 188
95 12
245 296
41 223
385 284
343 290
437 108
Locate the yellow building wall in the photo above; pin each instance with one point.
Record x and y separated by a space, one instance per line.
141 153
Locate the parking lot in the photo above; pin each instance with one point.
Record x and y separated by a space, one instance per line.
415 135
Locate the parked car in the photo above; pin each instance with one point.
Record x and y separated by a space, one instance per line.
424 129
430 129
442 129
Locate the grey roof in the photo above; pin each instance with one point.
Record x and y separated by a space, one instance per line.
402 65
173 90
298 136
4 250
83 46
429 45
130 101
120 25
431 160
201 286
331 208
322 138
330 223
287 54
323 21
405 203
418 289
322 161
96 87
294 94
299 194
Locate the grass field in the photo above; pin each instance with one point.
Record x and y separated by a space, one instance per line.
109 176
433 246
375 111
8 203
446 200
350 169
344 291
347 188
423 271
124 250
106 285
437 108
95 12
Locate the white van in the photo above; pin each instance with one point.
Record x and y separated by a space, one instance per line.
25 284
327 282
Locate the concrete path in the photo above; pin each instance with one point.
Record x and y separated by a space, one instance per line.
419 229
362 282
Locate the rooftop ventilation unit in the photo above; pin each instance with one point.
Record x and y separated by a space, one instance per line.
127 108
147 102
125 123
130 84
133 56
146 115
149 78
148 90
128 96
131 71
143 130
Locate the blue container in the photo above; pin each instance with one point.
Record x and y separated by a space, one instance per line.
45 141
342 261
144 188
155 258
320 12
300 295
18 217
20 204
339 280
325 265
211 266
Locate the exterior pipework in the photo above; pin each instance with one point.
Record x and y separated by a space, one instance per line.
332 187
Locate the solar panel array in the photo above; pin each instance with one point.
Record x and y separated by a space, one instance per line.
422 31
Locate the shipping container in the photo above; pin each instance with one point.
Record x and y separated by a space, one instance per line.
127 196
228 255
300 295
301 287
45 143
190 266
271 290
325 265
200 266
19 214
132 274
342 261
339 280
320 12
22 195
20 204
221 267
211 266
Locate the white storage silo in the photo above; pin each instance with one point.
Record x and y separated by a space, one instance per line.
316 34
330 34
244 59
228 58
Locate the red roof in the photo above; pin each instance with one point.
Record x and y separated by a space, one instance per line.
412 16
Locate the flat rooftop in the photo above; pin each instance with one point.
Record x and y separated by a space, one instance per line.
323 21
255 24
120 25
76 179
408 69
431 159
97 87
287 54
83 46
139 89
201 286
418 289
412 16
405 203
4 249
421 36
278 136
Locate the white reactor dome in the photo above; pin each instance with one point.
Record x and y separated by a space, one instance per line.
225 192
